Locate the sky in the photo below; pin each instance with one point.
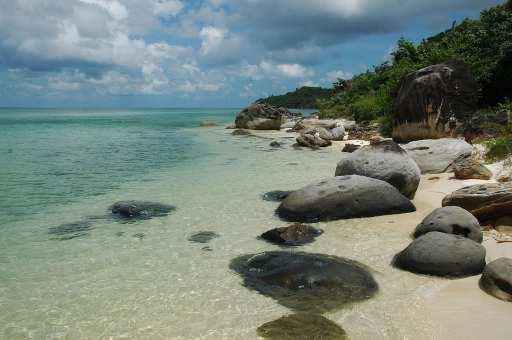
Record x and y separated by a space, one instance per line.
199 53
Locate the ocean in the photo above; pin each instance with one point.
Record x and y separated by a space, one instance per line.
68 270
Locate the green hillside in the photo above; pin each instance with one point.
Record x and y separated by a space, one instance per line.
302 98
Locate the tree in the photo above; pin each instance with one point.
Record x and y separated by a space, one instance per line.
405 50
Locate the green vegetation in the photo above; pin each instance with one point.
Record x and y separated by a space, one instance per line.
303 98
484 44
501 146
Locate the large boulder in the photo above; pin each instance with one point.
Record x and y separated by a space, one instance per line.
306 282
467 167
302 326
344 197
261 117
497 279
442 254
294 235
429 97
140 209
451 220
386 161
435 156
487 202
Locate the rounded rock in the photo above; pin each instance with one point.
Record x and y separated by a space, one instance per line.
442 254
306 282
386 161
343 197
451 220
497 279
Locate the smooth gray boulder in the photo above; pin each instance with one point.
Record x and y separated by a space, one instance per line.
435 156
442 254
343 197
497 279
386 161
451 220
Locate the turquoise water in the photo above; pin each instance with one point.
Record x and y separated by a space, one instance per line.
70 271
50 157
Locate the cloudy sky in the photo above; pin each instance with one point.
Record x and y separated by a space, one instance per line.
199 53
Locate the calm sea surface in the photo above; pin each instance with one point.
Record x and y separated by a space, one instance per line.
70 271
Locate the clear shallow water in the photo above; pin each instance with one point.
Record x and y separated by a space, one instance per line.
111 284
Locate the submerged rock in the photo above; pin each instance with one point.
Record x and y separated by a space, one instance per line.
208 123
302 327
487 202
295 235
386 161
68 231
275 196
240 132
435 156
203 236
306 282
442 254
451 220
497 279
140 209
344 197
276 144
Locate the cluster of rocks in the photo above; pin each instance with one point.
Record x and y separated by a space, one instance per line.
315 133
448 241
124 211
374 180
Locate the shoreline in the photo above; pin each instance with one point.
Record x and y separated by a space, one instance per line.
458 308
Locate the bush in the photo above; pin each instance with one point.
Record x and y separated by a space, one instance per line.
499 148
365 108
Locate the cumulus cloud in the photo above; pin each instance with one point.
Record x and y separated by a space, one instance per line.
219 46
295 71
176 46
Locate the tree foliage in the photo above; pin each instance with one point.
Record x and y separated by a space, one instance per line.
484 44
302 98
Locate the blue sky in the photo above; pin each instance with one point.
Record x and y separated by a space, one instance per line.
210 53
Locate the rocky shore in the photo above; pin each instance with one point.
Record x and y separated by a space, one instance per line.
457 215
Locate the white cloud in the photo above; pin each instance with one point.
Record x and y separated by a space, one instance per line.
168 7
286 70
218 46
